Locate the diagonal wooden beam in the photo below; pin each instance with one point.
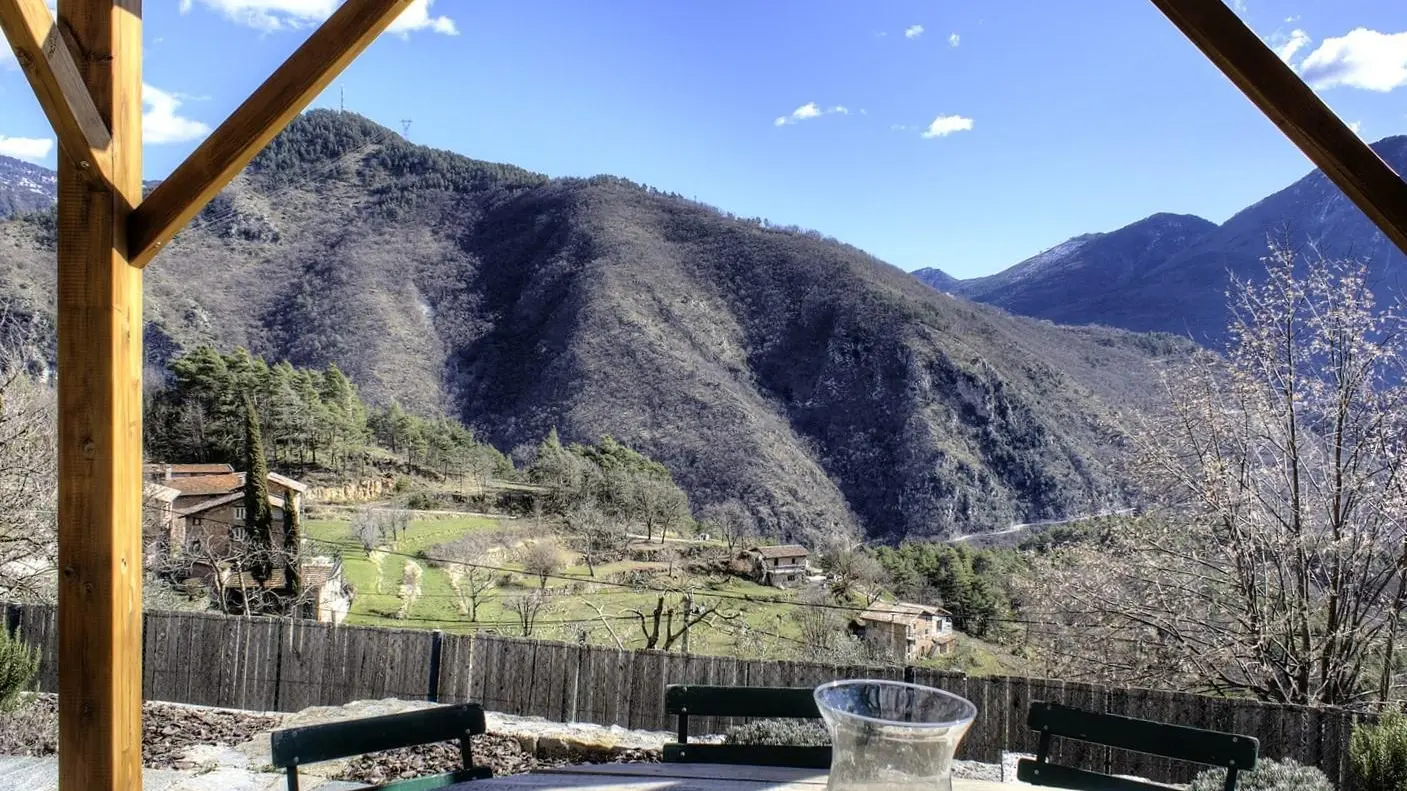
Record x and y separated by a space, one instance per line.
49 63
263 115
1275 88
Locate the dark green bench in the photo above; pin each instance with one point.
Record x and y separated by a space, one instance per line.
760 702
1181 743
295 747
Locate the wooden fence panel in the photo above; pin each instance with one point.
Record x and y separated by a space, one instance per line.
38 626
456 668
263 664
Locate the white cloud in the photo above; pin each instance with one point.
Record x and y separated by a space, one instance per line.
33 148
276 15
161 123
945 125
954 40
1239 6
1297 41
899 127
913 31
1361 58
1290 20
1356 126
811 110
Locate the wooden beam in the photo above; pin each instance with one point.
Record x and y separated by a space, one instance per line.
100 420
53 71
1275 88
263 115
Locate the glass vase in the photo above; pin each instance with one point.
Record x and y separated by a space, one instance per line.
891 736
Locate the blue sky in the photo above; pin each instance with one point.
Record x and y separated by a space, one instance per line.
954 133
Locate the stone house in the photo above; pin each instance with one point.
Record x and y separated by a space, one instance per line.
907 630
778 566
204 507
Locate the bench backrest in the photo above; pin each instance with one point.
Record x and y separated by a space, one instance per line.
699 700
1235 752
295 747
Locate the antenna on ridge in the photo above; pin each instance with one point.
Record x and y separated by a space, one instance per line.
405 127
342 99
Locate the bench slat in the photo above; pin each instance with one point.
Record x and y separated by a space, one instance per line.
438 781
1179 742
1040 774
313 743
756 755
717 701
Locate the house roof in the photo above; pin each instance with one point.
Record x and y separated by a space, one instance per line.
155 491
233 497
226 482
287 482
244 579
186 469
207 484
899 612
782 551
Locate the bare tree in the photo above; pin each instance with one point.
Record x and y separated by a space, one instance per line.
659 504
597 534
28 480
528 607
380 526
658 628
855 572
730 520
464 562
542 560
1274 563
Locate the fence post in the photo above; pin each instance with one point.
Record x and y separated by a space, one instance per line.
278 667
437 639
910 674
12 619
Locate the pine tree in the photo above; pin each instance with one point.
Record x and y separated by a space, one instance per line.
258 517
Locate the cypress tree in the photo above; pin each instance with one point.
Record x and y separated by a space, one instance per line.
258 517
292 549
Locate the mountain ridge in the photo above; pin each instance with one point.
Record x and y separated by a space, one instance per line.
827 391
1136 279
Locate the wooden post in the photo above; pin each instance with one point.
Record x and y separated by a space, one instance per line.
100 418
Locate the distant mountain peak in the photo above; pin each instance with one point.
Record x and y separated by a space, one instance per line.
25 187
937 278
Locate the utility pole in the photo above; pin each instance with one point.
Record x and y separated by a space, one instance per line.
342 100
405 127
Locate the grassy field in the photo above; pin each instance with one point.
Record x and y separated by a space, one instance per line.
579 605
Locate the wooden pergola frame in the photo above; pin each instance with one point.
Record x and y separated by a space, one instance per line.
86 70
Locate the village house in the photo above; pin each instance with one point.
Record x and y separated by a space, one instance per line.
201 507
778 566
907 630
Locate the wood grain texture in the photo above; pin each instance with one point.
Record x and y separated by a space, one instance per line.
100 420
1279 93
263 115
53 72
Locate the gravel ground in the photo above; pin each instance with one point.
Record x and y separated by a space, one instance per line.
502 754
167 731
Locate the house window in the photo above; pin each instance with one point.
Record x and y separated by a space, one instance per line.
239 512
195 521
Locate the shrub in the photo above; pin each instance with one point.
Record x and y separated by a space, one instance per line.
402 483
1269 775
19 663
787 733
1378 753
